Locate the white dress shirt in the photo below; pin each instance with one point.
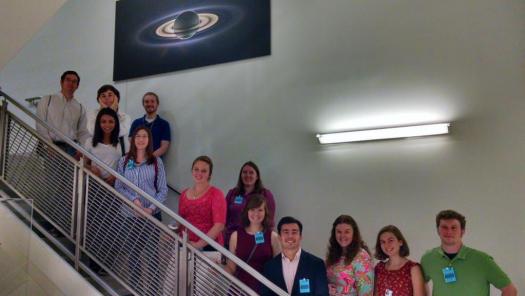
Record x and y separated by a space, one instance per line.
290 269
68 116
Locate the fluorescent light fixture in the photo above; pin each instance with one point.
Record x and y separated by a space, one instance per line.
384 133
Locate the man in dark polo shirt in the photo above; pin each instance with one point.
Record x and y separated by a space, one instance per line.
160 128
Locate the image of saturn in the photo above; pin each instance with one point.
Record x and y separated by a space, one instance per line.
154 37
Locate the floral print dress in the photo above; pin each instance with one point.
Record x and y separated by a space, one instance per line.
355 279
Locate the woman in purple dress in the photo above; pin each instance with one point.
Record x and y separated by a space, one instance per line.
248 184
254 242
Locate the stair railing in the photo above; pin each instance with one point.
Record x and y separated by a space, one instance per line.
108 230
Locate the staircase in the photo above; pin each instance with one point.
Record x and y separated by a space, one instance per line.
99 226
28 266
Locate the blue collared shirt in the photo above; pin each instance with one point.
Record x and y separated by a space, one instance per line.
143 176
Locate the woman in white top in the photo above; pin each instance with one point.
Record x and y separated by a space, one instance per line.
109 97
106 144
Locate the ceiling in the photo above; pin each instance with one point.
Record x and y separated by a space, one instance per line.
20 20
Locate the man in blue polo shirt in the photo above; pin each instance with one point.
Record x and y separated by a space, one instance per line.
457 270
160 128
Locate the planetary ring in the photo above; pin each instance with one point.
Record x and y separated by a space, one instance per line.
167 30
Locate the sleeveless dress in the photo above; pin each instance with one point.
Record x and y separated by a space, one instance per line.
236 203
398 281
261 254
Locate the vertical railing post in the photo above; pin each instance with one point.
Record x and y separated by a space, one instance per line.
183 271
79 211
74 202
3 135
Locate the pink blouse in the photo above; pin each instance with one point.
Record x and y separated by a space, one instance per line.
204 211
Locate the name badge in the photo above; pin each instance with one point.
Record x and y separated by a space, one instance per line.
238 200
449 275
130 165
389 292
304 286
259 238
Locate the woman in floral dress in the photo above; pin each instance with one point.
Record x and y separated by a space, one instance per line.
348 263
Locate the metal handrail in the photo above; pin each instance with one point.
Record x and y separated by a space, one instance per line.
173 189
240 263
34 102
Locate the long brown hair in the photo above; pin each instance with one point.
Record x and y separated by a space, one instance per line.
256 201
132 154
258 187
335 251
404 250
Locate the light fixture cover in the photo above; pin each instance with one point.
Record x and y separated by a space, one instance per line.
384 133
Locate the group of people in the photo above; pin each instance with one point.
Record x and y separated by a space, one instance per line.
244 220
453 268
66 114
134 149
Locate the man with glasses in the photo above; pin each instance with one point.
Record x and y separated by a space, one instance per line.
63 112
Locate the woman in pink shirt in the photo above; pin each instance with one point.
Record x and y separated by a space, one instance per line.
203 205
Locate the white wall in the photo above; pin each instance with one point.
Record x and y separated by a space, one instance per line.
31 267
33 13
340 65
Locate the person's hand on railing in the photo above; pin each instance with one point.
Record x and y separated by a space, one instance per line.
111 180
77 155
138 204
95 170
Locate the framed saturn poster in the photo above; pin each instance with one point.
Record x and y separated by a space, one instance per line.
160 36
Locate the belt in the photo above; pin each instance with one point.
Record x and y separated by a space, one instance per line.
60 143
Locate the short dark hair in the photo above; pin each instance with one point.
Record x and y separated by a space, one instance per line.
289 220
254 202
205 159
150 93
451 215
404 251
69 72
104 88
